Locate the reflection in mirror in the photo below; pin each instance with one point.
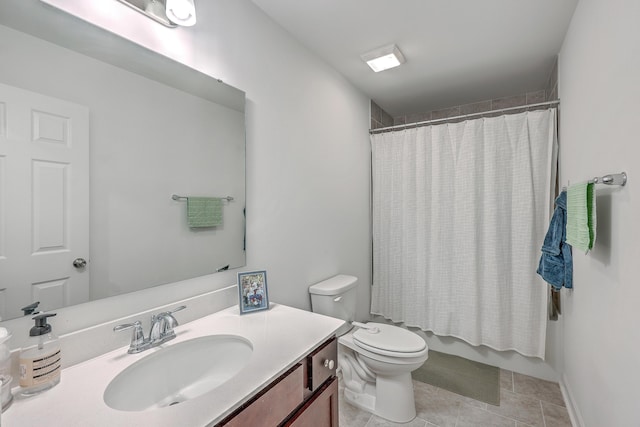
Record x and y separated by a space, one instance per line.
90 156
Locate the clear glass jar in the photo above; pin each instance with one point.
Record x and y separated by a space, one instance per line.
5 370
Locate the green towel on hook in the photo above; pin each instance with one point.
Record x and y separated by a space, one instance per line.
581 216
204 212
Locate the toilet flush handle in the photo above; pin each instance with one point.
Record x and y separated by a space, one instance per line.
337 299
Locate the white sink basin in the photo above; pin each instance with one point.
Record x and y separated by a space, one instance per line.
179 372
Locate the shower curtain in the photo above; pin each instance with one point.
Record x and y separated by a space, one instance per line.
459 215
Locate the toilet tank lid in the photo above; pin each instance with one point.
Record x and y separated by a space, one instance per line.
334 285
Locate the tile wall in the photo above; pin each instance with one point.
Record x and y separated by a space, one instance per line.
380 118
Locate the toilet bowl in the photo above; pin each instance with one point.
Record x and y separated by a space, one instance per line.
376 360
376 369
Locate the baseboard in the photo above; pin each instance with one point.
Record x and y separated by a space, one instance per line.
572 408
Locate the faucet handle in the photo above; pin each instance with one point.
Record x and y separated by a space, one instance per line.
182 307
169 322
138 343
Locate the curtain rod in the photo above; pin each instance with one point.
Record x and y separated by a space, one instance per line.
464 116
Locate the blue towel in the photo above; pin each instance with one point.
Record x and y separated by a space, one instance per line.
556 263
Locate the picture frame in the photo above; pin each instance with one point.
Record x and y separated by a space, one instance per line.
252 291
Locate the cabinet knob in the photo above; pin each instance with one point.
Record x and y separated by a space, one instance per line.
330 364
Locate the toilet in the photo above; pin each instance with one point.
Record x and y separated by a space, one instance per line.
376 360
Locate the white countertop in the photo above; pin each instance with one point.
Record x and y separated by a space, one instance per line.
280 337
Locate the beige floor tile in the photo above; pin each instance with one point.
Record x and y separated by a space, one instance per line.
376 421
470 416
350 416
438 408
524 402
506 379
555 416
424 388
540 389
462 399
519 407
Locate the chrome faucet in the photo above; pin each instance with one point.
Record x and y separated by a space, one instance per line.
162 325
138 343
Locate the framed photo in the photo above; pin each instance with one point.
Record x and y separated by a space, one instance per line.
252 286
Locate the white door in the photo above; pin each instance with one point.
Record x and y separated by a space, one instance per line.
44 201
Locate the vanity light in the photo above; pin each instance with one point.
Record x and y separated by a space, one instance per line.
181 12
154 7
169 13
383 58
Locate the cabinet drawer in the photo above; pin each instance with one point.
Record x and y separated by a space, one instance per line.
272 405
322 364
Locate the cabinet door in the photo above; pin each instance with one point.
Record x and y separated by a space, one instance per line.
272 405
321 410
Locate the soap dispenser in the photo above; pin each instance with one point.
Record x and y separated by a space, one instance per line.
40 360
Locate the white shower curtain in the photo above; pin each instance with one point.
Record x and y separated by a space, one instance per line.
459 215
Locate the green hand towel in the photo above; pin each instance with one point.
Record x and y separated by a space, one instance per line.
581 216
591 210
204 212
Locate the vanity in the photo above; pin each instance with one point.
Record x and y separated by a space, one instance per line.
288 379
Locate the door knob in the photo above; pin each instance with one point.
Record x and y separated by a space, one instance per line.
329 364
79 263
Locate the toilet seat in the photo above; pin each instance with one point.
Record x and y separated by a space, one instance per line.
389 340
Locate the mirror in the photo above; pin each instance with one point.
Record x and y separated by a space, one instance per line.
153 128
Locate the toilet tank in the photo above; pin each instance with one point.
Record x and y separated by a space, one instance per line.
335 297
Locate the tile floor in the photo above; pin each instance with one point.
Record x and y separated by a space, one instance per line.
524 401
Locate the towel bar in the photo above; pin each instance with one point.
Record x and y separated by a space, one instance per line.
176 197
611 179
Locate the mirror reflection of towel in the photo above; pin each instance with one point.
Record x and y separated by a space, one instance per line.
204 212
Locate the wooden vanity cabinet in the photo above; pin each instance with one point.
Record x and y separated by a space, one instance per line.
304 396
320 410
321 364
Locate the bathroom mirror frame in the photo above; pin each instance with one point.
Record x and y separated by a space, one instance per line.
44 22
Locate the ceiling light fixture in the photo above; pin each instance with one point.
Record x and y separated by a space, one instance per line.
383 58
181 12
170 13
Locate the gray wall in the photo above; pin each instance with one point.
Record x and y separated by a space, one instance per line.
599 85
